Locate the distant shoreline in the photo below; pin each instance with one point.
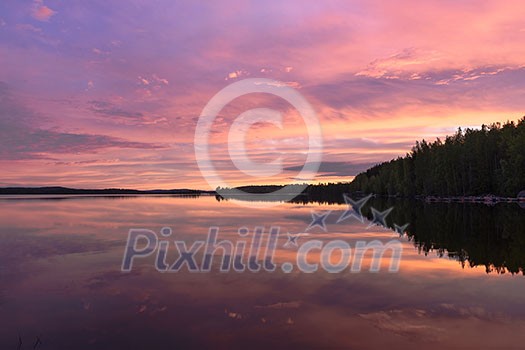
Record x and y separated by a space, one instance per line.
58 190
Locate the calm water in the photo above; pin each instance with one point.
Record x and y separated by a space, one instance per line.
61 279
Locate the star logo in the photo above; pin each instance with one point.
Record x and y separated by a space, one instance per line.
379 217
318 220
354 208
292 239
400 229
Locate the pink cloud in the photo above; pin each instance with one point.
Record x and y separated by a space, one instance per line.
41 12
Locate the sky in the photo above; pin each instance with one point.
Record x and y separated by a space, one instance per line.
98 94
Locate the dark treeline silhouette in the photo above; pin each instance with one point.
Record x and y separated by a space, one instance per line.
490 160
255 189
324 192
473 162
327 193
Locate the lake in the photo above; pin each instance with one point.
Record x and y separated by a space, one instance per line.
459 282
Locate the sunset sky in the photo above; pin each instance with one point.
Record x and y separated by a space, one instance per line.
99 94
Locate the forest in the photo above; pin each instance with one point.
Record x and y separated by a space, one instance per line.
489 160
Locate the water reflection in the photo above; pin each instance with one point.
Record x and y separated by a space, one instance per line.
474 234
60 280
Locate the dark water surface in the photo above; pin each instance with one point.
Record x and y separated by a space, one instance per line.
460 283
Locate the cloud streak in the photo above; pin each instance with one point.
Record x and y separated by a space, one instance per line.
23 139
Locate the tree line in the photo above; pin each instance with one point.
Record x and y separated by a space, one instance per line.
489 160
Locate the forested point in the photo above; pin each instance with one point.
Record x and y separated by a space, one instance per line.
489 160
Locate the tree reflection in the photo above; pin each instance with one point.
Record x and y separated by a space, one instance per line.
474 234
